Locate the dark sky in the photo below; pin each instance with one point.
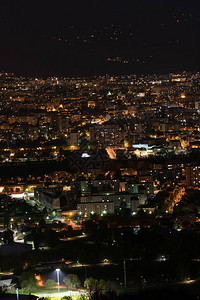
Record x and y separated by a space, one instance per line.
42 38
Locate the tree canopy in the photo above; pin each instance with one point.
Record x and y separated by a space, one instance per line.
72 281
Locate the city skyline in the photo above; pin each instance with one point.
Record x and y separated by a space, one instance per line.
99 149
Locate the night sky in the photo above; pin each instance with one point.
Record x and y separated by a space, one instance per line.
78 37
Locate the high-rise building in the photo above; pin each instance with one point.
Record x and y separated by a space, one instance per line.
73 139
193 176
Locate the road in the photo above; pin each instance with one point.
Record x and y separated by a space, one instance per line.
111 153
68 293
177 198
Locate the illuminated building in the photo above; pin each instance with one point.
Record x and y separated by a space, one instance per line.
193 176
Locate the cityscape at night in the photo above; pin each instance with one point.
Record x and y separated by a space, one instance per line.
99 150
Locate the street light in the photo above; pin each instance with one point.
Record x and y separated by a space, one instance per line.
17 293
124 267
58 271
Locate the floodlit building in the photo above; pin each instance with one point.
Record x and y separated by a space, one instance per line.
99 208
